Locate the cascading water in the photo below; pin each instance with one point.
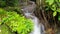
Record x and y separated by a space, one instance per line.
36 23
38 28
28 12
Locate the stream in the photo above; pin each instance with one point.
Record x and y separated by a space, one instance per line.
38 27
28 13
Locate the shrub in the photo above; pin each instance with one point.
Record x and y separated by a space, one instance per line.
19 23
5 30
54 5
12 2
16 22
4 3
3 14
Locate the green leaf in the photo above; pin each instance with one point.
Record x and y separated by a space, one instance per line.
53 7
50 1
58 10
54 13
59 0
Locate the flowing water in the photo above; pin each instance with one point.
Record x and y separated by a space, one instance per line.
28 13
38 28
36 24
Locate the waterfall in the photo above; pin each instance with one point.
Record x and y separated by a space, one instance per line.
28 13
38 28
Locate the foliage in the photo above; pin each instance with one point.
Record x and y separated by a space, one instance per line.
12 2
16 22
4 30
16 9
4 3
55 6
2 15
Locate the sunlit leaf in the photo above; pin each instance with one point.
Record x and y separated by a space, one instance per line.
53 7
50 1
54 14
59 0
58 10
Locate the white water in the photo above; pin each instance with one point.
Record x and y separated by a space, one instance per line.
28 12
38 28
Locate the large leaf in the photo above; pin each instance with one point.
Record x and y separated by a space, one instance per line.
59 0
50 1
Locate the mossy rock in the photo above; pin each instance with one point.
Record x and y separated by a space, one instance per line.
5 30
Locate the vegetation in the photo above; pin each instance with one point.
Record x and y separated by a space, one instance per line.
9 17
5 30
17 23
48 11
4 3
54 6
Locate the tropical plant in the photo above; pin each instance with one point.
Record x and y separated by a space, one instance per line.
54 5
